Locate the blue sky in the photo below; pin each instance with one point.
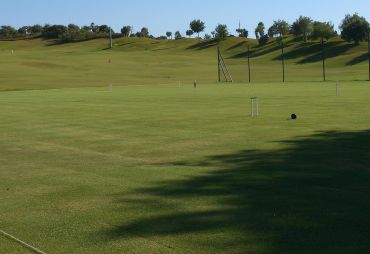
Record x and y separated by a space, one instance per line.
166 15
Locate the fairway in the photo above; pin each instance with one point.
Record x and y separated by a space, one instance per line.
168 169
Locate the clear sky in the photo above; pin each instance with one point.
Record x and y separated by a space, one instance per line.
171 15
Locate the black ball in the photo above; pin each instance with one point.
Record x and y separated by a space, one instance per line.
294 116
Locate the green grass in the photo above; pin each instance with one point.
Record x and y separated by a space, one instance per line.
38 64
151 167
163 169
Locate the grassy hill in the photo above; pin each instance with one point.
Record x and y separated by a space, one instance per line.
40 64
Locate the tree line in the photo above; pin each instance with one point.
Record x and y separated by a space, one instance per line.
353 28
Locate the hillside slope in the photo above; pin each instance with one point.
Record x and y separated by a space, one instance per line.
40 64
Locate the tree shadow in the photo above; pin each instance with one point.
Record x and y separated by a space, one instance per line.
312 52
237 45
203 44
125 44
257 51
310 197
330 52
359 59
302 50
166 48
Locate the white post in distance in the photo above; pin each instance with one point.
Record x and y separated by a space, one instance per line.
255 107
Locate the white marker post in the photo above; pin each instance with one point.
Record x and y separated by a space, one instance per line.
255 106
337 89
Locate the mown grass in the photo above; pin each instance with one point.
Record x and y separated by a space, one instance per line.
168 169
38 64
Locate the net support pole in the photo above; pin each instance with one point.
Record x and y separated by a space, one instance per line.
368 49
110 38
218 64
249 65
323 59
282 58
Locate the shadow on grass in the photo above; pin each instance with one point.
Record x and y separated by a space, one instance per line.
166 48
330 52
311 197
311 53
362 58
125 44
237 45
203 44
257 51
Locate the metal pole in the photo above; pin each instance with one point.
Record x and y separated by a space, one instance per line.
110 38
368 49
249 66
218 64
323 59
282 58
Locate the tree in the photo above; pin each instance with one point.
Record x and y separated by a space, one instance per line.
239 31
189 33
272 31
86 28
207 37
242 32
94 28
178 35
322 31
354 28
104 29
260 30
197 26
221 32
24 31
73 27
169 35
54 31
35 29
7 32
126 31
303 26
144 32
279 28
